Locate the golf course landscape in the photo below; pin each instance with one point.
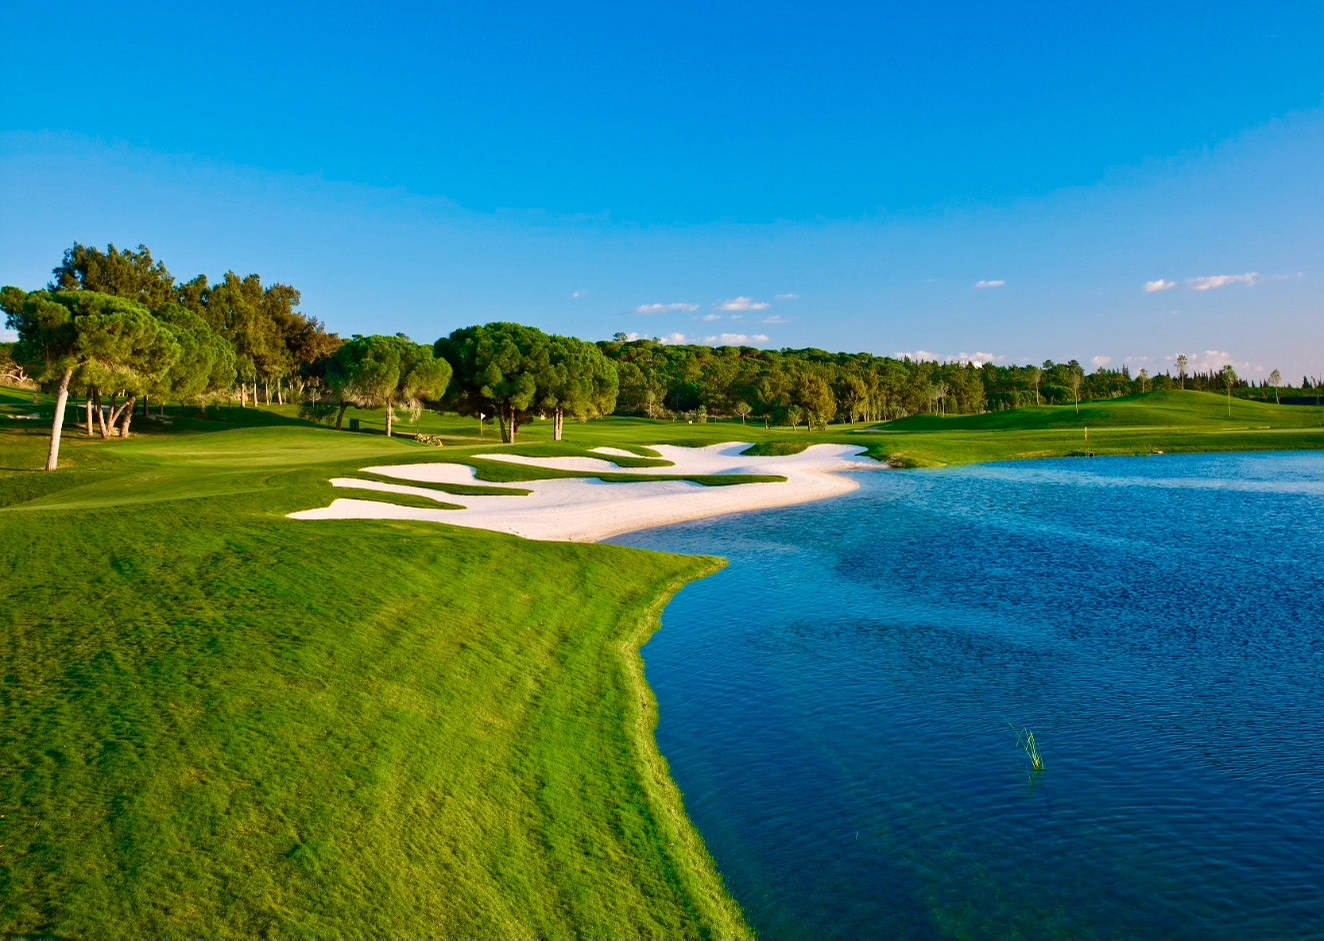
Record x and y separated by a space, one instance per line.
221 722
664 471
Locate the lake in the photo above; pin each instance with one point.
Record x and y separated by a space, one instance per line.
840 706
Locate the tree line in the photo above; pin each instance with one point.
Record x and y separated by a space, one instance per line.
116 328
813 387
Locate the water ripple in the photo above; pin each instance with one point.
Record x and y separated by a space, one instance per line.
838 705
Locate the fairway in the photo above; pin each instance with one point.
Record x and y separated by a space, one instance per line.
221 722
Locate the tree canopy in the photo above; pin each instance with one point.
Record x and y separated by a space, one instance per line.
580 381
497 370
513 372
274 344
103 342
387 372
205 367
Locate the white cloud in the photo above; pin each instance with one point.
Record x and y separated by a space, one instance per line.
8 336
981 358
774 319
1210 361
579 295
990 284
743 304
672 339
647 309
737 339
788 297
709 318
977 359
1214 282
1101 361
1157 287
918 356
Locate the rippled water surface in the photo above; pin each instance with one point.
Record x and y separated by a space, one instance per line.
838 704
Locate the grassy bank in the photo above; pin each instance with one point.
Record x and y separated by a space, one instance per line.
220 722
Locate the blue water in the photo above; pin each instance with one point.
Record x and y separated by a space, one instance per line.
837 705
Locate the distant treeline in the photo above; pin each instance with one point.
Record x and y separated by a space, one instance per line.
817 387
116 328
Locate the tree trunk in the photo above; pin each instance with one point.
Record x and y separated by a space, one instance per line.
558 424
89 414
340 416
128 417
145 400
390 419
101 419
116 414
509 425
61 400
243 395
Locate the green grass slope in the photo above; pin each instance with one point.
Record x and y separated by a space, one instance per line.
1170 422
218 722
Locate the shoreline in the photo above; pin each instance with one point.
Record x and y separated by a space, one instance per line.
705 884
589 509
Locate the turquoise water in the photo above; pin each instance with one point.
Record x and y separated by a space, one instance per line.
837 705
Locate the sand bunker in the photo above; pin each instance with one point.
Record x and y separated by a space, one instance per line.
588 509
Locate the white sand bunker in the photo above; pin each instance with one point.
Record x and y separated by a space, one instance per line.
588 509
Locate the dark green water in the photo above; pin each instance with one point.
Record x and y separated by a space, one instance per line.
836 704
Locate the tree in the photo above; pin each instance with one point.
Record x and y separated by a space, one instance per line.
11 372
497 369
1230 379
855 396
112 343
1143 376
128 273
579 380
1035 375
1182 362
206 364
817 400
1075 376
742 409
124 349
387 372
251 316
793 416
1275 380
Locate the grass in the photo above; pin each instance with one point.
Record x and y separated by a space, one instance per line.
220 722
1168 422
1025 738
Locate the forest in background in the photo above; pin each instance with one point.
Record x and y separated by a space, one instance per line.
117 329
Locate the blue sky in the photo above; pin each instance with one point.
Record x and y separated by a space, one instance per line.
835 175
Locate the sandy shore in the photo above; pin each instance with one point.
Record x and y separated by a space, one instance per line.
589 510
